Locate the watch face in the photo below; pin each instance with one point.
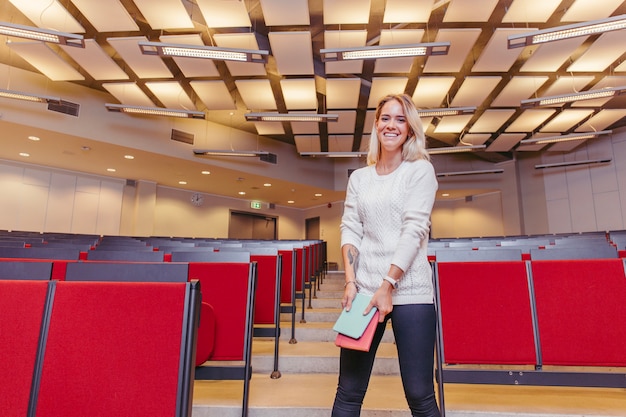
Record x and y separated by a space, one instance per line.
197 199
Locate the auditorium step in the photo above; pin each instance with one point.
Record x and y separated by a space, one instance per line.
309 370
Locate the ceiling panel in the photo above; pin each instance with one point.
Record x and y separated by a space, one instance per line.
491 121
461 43
224 14
365 143
129 93
171 94
475 138
48 62
48 14
505 142
549 57
256 94
191 67
293 52
368 124
342 93
565 120
582 10
530 11
518 89
567 85
474 91
213 94
453 124
344 39
306 128
604 51
407 11
299 94
269 128
340 143
307 143
566 146
286 12
345 124
529 120
107 15
93 59
496 56
240 41
602 120
162 14
466 11
346 12
381 86
145 66
398 37
431 92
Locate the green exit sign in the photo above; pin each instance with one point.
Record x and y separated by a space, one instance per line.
255 205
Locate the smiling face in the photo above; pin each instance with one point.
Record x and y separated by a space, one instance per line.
392 127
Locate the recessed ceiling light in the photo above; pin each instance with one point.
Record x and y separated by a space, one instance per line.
445 195
242 193
24 154
206 172
182 182
34 138
267 184
318 194
290 202
129 157
111 169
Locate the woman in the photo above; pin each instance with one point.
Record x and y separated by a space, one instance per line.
384 237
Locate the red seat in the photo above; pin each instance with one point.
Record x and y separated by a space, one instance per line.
21 312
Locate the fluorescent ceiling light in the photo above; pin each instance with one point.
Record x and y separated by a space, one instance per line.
566 98
287 117
38 34
155 111
387 51
225 152
591 27
29 97
449 111
206 52
573 163
335 154
455 149
564 138
481 171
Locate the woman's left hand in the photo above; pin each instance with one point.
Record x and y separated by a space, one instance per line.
382 301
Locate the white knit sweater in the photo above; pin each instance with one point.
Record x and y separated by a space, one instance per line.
387 218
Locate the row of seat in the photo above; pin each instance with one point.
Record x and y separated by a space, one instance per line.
540 322
243 294
97 348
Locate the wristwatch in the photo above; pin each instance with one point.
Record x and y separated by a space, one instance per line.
393 282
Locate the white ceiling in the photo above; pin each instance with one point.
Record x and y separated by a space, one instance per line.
479 69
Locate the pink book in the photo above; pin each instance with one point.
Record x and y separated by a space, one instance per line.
362 343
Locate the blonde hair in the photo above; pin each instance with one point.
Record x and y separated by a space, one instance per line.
414 147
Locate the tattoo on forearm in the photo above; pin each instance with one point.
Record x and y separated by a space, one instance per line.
353 257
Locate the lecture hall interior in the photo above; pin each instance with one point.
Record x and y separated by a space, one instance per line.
138 135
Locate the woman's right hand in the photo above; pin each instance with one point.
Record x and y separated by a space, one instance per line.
348 295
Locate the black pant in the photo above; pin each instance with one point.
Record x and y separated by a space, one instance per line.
414 331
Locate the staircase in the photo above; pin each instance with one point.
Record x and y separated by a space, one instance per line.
309 370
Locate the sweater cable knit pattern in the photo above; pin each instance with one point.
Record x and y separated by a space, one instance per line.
387 218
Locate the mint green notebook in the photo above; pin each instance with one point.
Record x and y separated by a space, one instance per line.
353 323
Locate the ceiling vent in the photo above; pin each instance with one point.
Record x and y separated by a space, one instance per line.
270 157
180 136
65 107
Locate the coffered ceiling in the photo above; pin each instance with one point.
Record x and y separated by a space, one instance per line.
478 71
